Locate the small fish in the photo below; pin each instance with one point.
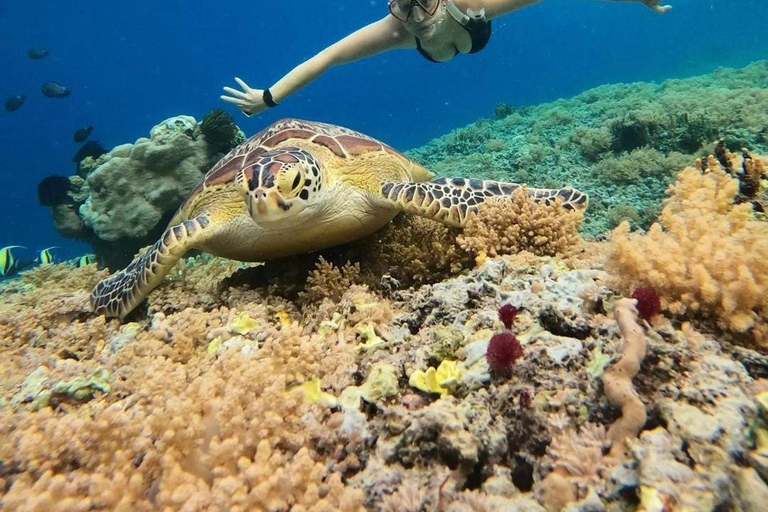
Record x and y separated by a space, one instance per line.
91 148
81 134
84 261
37 53
14 102
54 90
8 263
46 257
54 190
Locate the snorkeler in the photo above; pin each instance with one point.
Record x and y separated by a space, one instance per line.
438 29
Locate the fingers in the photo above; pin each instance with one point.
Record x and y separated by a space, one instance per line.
246 100
234 101
235 92
654 4
242 84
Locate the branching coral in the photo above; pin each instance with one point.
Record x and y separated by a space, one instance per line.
705 256
577 463
519 224
329 281
415 251
181 429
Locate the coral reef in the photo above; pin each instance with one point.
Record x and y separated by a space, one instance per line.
423 369
706 257
126 197
622 143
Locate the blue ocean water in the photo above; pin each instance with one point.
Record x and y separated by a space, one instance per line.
132 64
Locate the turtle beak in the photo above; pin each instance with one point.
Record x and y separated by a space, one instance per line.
266 205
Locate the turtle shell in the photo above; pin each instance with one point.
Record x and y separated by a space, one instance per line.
343 142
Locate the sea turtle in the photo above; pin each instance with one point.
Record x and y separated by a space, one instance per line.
295 187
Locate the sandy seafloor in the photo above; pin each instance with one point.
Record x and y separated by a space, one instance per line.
323 386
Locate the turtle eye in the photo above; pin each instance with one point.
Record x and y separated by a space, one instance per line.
290 182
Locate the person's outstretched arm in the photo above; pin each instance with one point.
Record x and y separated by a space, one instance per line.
377 37
495 8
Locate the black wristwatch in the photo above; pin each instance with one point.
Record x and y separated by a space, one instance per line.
268 99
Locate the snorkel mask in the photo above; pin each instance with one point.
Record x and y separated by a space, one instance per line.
402 9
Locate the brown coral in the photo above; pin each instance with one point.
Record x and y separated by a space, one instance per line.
329 281
705 257
508 226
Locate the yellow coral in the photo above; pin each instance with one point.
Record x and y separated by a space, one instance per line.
436 380
242 324
380 384
314 394
705 256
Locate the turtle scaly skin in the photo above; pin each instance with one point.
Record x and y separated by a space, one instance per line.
299 186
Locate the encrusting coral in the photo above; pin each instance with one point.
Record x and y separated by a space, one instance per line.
706 256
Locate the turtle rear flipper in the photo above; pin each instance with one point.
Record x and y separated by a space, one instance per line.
120 293
453 200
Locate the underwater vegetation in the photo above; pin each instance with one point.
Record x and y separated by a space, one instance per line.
514 364
621 143
219 129
362 377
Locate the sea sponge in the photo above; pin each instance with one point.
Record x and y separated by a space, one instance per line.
617 380
519 223
705 257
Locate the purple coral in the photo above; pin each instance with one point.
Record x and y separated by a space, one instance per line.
503 350
507 315
648 302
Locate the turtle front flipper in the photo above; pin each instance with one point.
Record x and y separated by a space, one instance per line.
452 200
120 293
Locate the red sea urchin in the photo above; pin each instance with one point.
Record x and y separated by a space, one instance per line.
648 302
503 350
507 315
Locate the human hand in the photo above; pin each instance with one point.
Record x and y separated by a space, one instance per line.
249 101
654 4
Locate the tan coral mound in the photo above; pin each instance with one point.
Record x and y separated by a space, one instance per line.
705 257
508 226
182 429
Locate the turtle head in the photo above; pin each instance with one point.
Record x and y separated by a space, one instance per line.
281 184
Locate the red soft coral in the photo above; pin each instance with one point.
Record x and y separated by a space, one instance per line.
648 302
503 350
507 315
